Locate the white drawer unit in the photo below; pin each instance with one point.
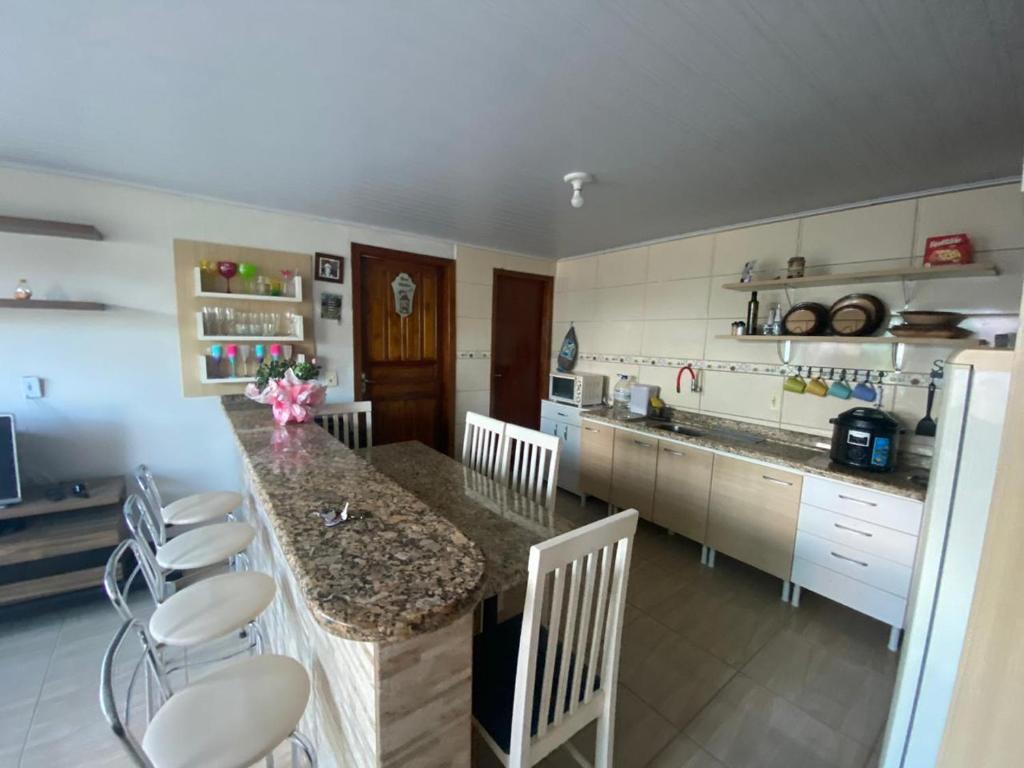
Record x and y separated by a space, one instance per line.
856 564
859 534
560 412
564 421
857 546
875 507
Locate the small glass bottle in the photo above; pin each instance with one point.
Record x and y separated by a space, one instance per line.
24 291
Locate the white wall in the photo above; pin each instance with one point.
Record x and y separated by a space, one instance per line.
654 306
113 385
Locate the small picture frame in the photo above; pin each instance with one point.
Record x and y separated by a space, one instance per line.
329 269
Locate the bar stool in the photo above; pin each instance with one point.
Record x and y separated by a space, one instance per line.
191 550
189 510
229 718
206 611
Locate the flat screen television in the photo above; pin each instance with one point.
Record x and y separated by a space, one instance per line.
10 481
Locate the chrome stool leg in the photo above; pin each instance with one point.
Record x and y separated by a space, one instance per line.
300 743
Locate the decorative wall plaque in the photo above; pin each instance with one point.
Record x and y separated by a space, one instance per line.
405 290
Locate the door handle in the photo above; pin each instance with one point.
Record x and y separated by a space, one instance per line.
853 530
590 429
497 375
775 480
857 501
364 382
674 453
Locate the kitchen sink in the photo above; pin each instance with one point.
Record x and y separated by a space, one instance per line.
679 429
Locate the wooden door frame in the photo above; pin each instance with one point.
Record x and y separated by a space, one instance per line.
548 283
446 324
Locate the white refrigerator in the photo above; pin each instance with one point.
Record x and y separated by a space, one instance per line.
970 425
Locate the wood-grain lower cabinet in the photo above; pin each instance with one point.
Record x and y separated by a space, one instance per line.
596 452
634 471
682 489
753 514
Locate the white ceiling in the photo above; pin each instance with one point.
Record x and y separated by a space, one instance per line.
458 118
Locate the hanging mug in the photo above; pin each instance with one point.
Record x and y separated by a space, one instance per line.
840 388
817 386
795 383
865 391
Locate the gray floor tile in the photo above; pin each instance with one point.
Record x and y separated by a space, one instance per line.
640 732
684 752
748 726
825 684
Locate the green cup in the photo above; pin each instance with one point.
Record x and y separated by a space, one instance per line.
795 384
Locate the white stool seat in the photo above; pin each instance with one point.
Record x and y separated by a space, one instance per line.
231 717
202 507
212 608
205 546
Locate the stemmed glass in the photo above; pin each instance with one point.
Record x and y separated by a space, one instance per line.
232 350
260 354
244 349
216 351
227 269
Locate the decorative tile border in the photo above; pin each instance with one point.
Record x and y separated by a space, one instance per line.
904 379
477 354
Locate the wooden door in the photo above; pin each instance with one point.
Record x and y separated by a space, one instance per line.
520 346
753 514
633 472
682 489
597 450
404 361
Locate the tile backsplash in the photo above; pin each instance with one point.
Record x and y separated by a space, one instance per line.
635 307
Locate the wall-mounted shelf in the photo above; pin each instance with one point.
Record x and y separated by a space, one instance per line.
88 306
910 274
21 226
205 379
198 281
300 334
930 342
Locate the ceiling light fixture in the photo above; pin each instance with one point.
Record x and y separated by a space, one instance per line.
578 179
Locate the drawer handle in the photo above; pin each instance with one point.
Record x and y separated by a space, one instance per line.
674 453
858 501
852 530
562 414
591 429
642 444
775 480
850 559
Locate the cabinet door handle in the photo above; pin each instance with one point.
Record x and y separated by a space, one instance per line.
852 530
674 453
642 444
858 501
850 559
565 432
566 415
775 480
590 429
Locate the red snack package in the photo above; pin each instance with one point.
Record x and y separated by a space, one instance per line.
947 249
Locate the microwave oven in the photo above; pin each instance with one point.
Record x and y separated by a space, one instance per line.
579 389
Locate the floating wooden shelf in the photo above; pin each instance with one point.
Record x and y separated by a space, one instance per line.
299 336
930 342
89 306
48 536
21 226
198 278
910 274
57 584
102 492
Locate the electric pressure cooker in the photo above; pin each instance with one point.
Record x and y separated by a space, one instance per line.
866 438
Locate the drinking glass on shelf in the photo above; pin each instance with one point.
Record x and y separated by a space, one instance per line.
269 324
216 352
262 286
227 269
287 349
260 354
275 287
209 321
287 283
230 320
232 352
244 351
248 272
275 352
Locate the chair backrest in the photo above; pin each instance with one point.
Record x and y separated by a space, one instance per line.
118 588
147 484
577 588
529 462
342 421
145 524
481 444
119 710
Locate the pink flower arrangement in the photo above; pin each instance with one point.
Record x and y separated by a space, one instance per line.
290 398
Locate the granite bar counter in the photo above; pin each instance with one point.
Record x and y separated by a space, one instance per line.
378 609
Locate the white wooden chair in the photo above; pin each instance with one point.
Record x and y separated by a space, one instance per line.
566 647
529 462
342 421
481 444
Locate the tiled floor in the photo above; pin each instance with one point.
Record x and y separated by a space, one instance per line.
715 671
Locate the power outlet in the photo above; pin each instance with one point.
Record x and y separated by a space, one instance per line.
31 387
331 379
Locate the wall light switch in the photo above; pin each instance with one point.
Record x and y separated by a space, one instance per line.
331 379
31 387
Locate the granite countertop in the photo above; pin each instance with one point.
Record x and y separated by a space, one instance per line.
502 523
785 448
402 571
